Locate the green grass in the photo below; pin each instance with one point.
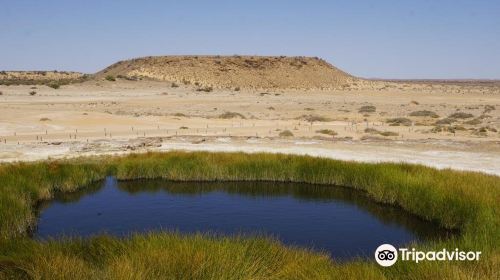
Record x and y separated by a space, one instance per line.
110 78
466 201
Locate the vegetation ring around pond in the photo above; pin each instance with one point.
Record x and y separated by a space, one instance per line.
464 201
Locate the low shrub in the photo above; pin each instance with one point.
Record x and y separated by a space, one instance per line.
205 89
461 115
424 113
54 85
372 130
314 118
475 121
488 108
445 121
367 109
286 133
389 133
327 132
399 121
231 115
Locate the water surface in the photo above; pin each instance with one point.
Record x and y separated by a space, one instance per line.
343 222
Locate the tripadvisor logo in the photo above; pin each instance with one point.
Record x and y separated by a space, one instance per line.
387 255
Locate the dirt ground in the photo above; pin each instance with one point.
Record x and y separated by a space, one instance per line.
445 126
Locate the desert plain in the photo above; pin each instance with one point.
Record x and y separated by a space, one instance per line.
249 104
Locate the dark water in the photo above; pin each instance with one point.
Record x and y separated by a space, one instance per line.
340 221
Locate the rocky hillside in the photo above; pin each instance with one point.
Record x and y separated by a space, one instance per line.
250 72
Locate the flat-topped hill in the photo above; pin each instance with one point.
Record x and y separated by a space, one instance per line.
40 77
254 72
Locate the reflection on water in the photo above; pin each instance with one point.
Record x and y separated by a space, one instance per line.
341 221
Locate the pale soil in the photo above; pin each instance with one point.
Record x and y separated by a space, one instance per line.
134 116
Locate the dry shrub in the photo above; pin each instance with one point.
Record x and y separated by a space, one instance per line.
327 132
231 115
399 121
460 115
367 109
424 113
286 133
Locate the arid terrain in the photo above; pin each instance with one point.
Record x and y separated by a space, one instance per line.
274 104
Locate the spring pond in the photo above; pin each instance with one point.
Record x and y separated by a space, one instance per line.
343 222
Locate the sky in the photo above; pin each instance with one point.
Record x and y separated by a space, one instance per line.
400 39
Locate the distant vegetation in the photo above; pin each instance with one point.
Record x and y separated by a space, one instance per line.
205 89
399 121
389 133
475 121
488 108
286 133
327 132
460 115
314 118
110 78
231 115
424 113
53 79
383 133
465 201
367 109
445 121
54 85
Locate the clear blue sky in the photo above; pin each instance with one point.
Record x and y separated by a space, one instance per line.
372 38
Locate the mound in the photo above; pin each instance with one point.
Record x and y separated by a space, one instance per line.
251 72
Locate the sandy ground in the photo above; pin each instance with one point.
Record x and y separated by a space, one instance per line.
126 116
